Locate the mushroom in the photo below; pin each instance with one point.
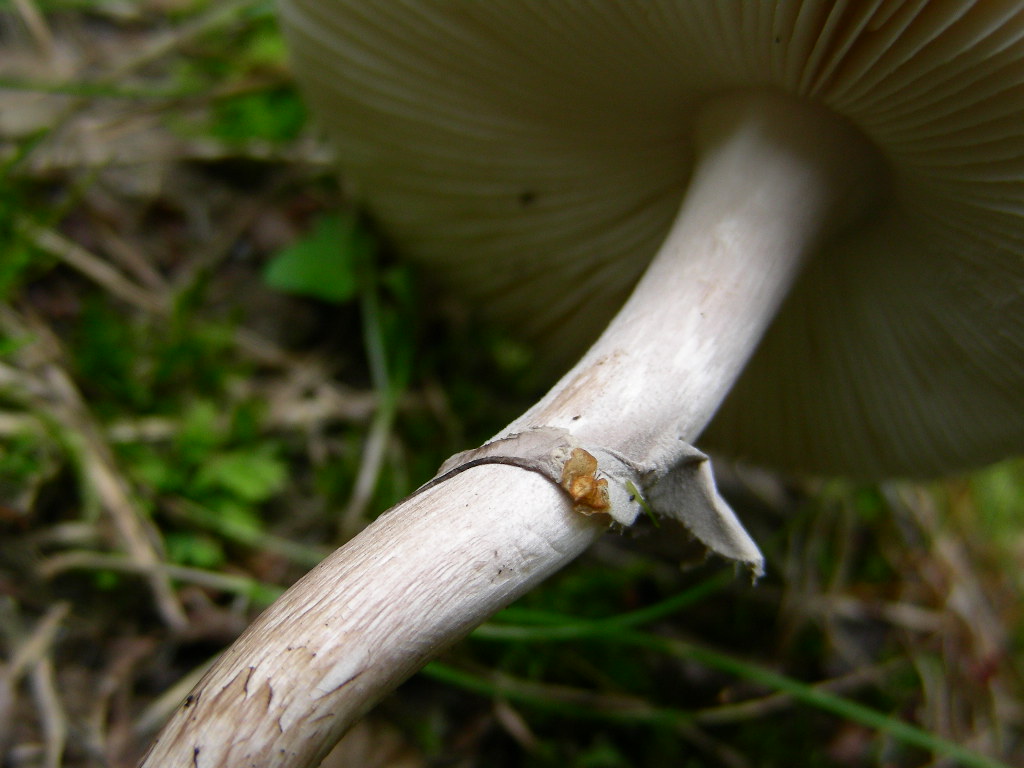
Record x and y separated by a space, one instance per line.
815 210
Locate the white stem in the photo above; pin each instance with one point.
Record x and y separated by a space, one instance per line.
774 177
413 582
438 564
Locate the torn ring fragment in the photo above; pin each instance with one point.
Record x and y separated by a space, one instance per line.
602 481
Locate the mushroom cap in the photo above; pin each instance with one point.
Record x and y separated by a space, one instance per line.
534 154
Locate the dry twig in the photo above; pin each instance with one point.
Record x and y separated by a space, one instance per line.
94 457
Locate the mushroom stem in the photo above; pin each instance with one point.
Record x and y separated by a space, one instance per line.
773 177
419 578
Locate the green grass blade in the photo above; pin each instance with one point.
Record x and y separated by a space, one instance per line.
545 627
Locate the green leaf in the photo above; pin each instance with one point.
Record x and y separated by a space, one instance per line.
240 518
152 470
325 263
201 432
195 549
248 475
275 115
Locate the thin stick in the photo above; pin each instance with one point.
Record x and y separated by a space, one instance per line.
95 459
241 585
51 712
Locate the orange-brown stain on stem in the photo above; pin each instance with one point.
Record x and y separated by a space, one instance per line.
589 493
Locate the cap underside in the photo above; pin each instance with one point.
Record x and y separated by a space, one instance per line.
534 154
